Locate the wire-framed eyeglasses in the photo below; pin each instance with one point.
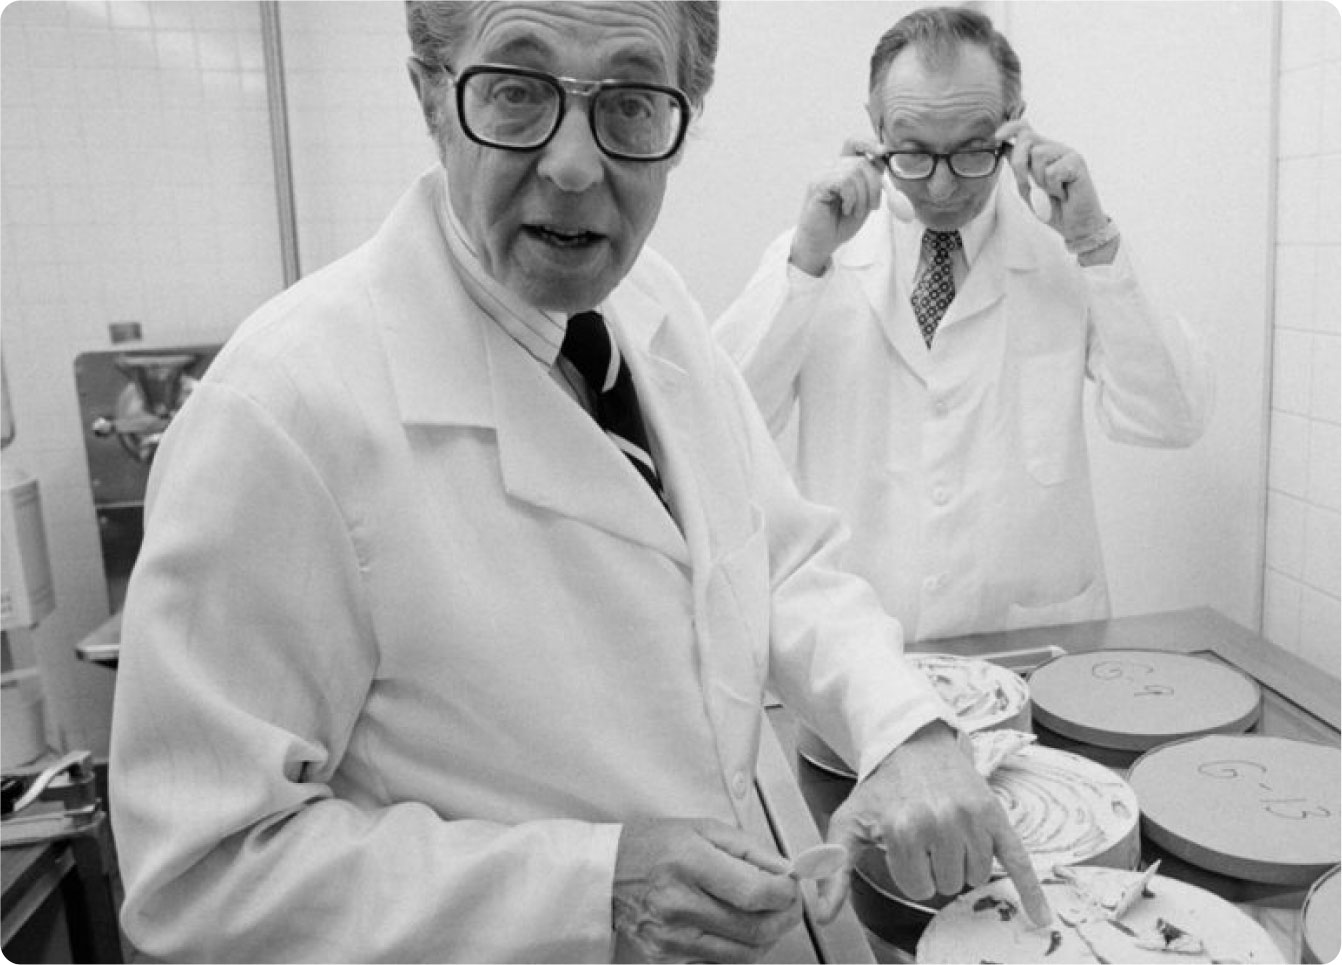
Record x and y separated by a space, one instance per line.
519 109
921 165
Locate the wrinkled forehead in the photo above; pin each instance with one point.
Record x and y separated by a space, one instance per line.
626 40
959 93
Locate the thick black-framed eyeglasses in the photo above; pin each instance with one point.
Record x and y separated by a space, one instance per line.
921 165
519 109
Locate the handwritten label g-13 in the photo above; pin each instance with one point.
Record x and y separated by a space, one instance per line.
1252 772
1133 673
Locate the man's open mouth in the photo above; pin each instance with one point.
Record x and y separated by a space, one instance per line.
562 237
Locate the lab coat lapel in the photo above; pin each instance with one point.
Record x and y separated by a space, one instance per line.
670 409
1009 248
554 455
983 287
431 332
870 255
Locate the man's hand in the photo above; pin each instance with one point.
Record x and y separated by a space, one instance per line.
836 205
1075 209
938 823
699 891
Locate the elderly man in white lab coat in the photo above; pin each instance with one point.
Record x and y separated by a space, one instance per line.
445 644
935 349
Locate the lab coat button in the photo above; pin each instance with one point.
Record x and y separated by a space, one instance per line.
939 407
934 583
740 784
941 496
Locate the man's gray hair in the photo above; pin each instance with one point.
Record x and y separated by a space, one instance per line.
937 34
437 27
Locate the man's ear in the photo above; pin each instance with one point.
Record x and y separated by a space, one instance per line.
424 90
874 115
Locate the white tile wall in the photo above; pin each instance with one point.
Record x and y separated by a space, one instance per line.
357 135
135 183
1301 578
1281 609
1286 536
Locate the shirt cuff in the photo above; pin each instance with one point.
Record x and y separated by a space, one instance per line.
802 282
927 712
1117 272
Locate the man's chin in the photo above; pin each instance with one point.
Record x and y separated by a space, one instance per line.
951 219
944 220
562 291
565 297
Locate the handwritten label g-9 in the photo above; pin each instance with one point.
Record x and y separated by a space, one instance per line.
1291 808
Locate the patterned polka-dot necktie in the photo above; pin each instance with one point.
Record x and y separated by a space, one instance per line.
589 346
936 288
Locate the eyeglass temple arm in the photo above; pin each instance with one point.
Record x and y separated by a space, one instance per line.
428 65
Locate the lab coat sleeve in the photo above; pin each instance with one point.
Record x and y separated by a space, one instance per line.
1154 381
836 658
247 656
767 331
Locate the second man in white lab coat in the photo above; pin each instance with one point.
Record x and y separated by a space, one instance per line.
935 348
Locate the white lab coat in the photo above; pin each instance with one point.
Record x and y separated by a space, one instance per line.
408 637
963 470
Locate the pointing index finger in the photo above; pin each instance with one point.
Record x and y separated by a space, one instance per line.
1016 860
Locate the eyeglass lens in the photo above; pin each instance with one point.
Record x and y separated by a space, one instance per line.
965 164
518 111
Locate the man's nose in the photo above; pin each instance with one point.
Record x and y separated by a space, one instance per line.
942 182
572 160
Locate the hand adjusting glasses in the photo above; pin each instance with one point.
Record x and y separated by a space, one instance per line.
518 109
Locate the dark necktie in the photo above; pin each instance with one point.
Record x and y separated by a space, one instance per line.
589 346
936 288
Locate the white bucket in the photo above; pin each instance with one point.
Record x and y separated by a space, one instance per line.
22 731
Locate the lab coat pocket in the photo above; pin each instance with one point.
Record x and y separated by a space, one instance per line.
1092 603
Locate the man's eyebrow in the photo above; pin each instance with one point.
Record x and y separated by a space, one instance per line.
519 47
645 61
980 142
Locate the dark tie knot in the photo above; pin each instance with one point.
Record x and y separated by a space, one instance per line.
587 344
940 243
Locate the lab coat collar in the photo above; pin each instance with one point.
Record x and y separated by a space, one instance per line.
451 365
1026 249
431 330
